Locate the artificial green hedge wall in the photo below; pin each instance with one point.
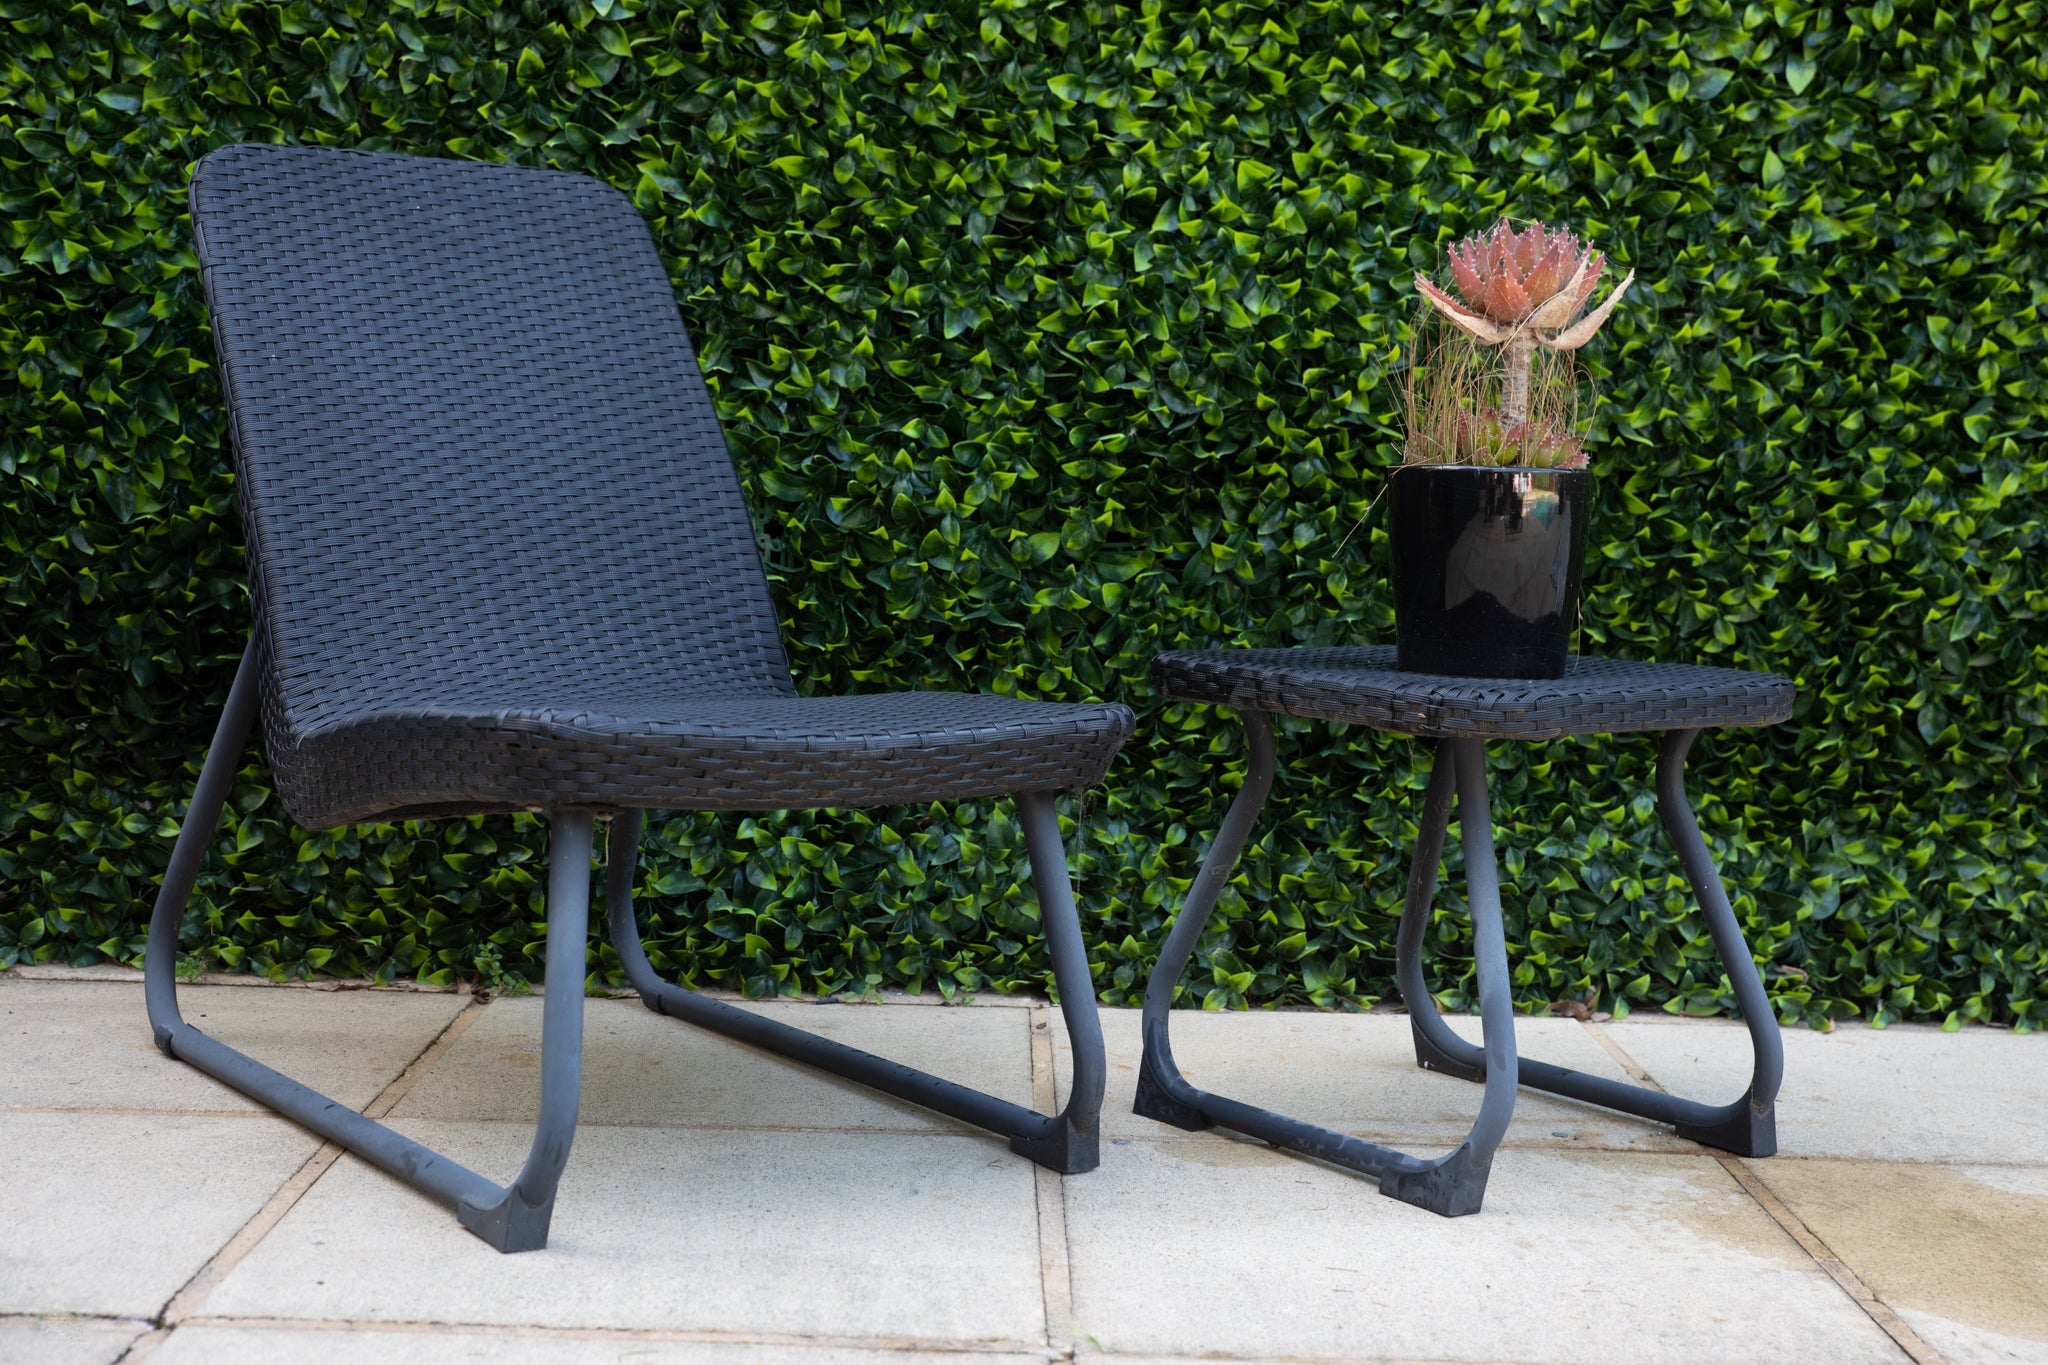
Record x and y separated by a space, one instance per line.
1049 335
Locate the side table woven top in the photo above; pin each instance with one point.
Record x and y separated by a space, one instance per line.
1361 686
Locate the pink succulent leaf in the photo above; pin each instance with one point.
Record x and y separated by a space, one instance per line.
1595 264
1510 299
1582 331
1553 268
1465 273
1562 303
1470 323
1499 249
1494 302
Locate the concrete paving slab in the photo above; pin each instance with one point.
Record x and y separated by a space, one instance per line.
1199 1246
1960 1252
108 1214
645 1068
217 1345
1906 1093
815 1233
67 1341
1356 1073
86 1044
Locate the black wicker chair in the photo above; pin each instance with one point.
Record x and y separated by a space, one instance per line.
499 561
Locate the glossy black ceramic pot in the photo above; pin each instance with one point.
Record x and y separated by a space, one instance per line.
1486 568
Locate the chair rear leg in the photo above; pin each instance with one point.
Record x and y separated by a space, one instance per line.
621 865
1066 1142
202 817
1746 1126
523 1223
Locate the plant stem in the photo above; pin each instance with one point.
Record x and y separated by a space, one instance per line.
1514 391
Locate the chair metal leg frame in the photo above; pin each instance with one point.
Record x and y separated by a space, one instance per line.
513 1218
1452 1184
1747 1126
1065 1142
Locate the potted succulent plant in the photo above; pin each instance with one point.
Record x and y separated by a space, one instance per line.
1489 508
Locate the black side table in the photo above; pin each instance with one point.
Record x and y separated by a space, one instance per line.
1362 687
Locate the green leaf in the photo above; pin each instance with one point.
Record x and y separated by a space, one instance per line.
1047 339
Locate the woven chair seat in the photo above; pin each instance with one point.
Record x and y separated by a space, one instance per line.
1362 686
498 552
744 753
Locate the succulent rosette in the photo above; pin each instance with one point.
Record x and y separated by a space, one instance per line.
1520 291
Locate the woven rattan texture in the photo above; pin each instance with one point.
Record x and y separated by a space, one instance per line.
498 551
1362 686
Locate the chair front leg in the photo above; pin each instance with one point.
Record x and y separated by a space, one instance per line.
518 1220
1067 1142
1437 1048
1074 1143
514 1219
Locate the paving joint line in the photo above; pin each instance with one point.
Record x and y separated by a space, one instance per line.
1879 1312
1818 1251
930 1345
1055 1263
184 1304
140 1110
822 1341
706 1336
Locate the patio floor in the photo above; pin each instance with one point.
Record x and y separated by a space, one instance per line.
725 1206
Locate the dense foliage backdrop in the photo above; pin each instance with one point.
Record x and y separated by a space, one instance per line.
1052 333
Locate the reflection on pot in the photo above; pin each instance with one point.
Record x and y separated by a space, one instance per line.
1486 568
1522 557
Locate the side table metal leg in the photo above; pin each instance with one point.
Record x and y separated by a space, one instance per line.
1451 1185
1162 1094
1457 1184
1749 1126
1437 1048
1746 1126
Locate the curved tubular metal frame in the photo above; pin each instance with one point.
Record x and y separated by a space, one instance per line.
510 1218
1746 1125
516 1217
1455 1183
1067 1142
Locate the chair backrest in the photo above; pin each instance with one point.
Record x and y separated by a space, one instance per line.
476 460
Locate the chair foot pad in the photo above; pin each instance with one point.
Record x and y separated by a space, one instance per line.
1452 1187
1430 1057
1067 1149
511 1224
1747 1134
1155 1102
